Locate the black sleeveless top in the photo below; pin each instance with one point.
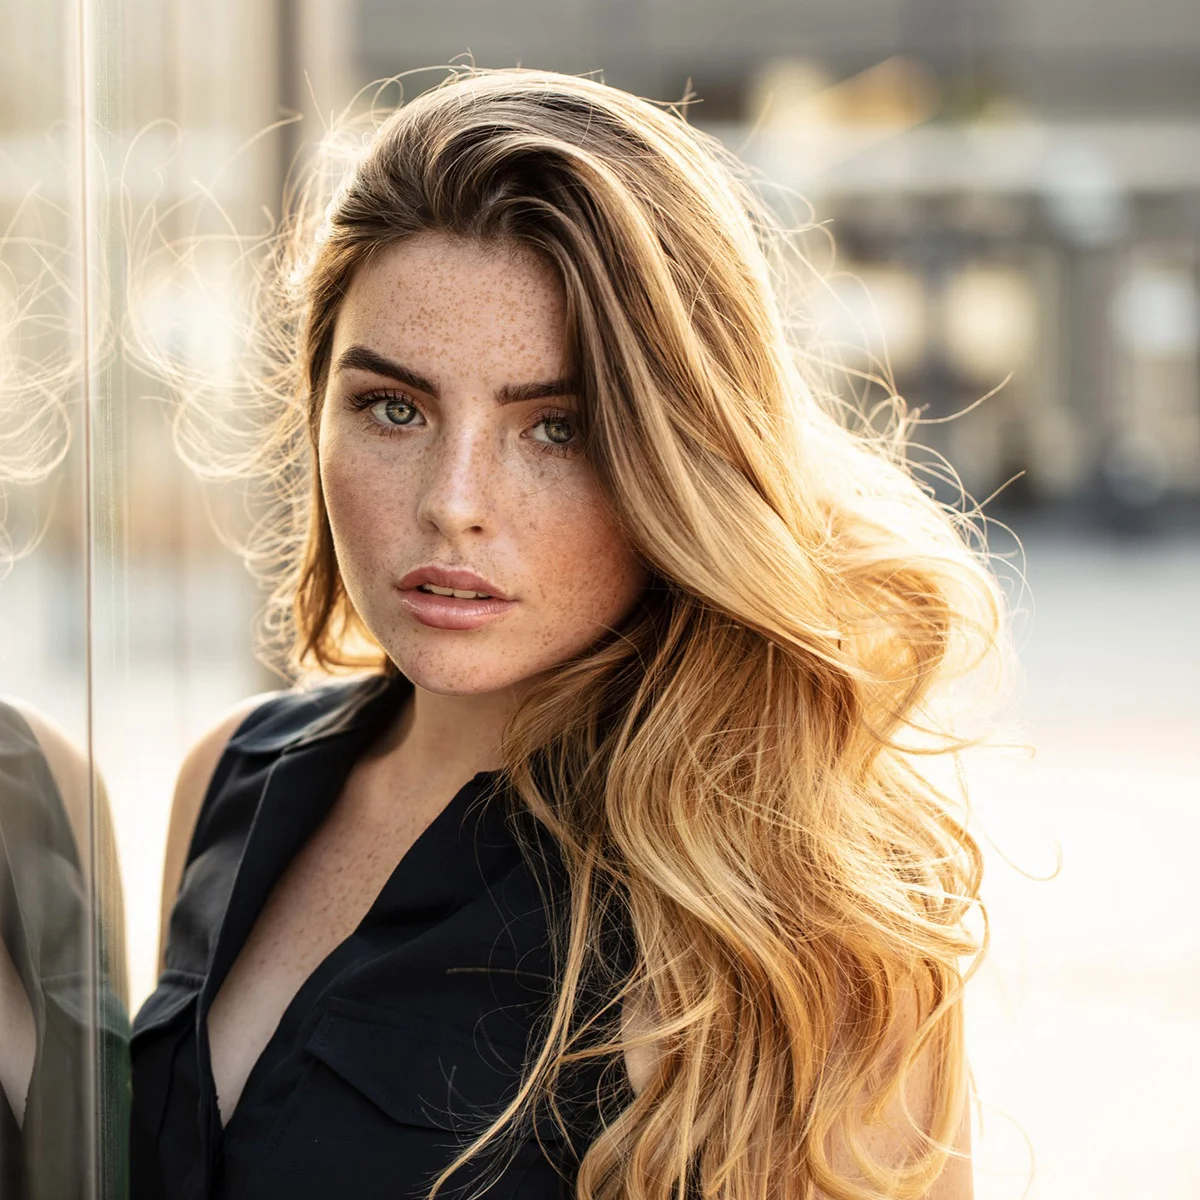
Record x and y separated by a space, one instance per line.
408 1037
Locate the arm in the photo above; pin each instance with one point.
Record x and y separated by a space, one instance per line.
191 786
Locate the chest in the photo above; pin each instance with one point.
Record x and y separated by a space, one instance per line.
316 904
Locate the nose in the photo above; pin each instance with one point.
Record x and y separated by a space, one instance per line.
457 489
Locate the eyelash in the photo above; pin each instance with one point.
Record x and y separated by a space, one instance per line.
367 400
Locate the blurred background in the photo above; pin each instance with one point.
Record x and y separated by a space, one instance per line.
1013 190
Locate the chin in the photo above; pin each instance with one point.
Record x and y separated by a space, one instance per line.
462 670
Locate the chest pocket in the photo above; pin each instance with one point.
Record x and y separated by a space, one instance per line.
387 1102
417 1071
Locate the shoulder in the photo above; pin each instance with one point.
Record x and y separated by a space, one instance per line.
264 723
191 786
273 720
934 1095
200 761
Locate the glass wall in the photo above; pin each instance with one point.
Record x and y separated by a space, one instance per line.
64 991
126 130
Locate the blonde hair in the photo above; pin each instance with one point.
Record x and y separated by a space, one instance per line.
738 769
41 360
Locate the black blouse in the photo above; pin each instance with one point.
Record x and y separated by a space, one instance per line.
410 1033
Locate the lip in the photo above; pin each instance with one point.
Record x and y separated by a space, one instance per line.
451 612
450 577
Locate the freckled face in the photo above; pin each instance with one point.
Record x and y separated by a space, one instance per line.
447 474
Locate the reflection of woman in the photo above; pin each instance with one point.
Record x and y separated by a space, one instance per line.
617 813
48 988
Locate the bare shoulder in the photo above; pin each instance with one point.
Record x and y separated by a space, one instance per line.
892 1142
191 786
196 770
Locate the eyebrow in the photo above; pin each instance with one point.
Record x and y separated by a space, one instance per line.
363 358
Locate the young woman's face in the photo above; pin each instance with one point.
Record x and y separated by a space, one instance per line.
431 454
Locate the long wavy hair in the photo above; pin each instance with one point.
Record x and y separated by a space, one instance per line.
743 767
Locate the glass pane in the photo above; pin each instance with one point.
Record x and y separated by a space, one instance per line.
126 624
178 92
63 980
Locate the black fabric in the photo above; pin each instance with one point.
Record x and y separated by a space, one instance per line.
407 1037
44 918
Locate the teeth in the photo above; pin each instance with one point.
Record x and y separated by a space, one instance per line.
462 595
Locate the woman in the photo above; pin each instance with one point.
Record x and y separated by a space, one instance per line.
610 872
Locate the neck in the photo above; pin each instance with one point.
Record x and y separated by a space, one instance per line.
458 735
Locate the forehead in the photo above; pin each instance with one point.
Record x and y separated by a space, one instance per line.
451 304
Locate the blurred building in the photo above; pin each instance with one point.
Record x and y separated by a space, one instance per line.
1013 187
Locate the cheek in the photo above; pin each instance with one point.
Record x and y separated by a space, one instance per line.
586 560
357 496
338 484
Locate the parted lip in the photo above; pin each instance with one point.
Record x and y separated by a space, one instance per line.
449 577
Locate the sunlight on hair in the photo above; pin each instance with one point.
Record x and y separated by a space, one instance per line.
740 770
40 357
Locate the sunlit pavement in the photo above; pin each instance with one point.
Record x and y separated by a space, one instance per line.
1083 1023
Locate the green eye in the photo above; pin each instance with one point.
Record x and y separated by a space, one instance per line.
559 429
384 413
399 412
561 436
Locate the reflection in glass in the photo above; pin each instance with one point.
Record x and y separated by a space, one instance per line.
46 999
63 980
